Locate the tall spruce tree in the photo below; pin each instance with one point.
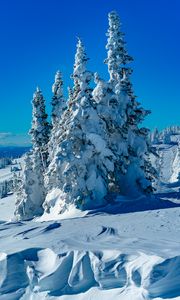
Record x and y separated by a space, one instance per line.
111 106
59 105
40 129
83 161
31 193
40 132
28 194
117 53
139 172
58 101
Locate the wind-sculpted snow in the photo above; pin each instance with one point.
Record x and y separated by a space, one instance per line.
129 256
43 274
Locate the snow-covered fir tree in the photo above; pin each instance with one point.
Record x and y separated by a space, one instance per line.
31 193
40 132
70 94
28 194
58 102
108 109
117 53
79 171
72 102
40 129
59 105
80 76
134 172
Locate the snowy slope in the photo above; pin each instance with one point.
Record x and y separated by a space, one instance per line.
7 204
6 173
129 256
100 256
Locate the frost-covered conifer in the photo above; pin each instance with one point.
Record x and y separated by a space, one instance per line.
109 110
79 171
70 94
111 106
58 102
40 132
117 54
80 75
28 194
135 176
74 93
58 107
40 129
31 193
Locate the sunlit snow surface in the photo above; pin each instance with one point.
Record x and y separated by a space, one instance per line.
92 256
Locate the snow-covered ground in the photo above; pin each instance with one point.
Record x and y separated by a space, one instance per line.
127 256
101 256
7 204
7 172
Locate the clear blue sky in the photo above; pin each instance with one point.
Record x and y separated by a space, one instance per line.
39 36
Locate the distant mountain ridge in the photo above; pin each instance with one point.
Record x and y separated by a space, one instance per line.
13 151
